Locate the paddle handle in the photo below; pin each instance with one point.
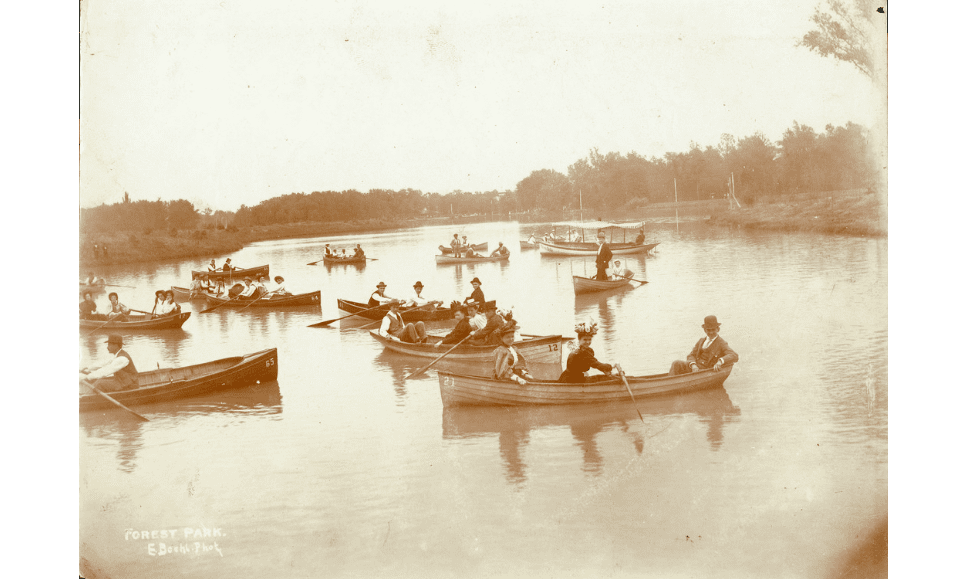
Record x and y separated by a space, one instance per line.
628 386
428 366
113 401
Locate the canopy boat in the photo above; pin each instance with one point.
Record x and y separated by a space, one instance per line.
331 260
447 250
408 314
275 301
587 248
175 383
450 260
590 249
463 390
239 273
138 322
586 285
536 349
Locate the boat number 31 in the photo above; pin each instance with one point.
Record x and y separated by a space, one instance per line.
270 362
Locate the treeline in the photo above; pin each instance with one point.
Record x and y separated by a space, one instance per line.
803 160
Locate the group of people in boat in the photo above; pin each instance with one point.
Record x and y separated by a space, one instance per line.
116 312
464 249
249 288
357 253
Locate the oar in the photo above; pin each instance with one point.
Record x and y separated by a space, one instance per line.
327 322
637 280
113 401
226 302
427 366
380 320
626 385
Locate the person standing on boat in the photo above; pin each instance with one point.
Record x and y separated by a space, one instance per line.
228 266
477 295
394 327
118 311
583 359
508 364
88 309
118 374
500 251
709 352
455 245
485 335
328 251
419 300
379 297
461 330
604 256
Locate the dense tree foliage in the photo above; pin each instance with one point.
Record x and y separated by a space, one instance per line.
844 31
802 161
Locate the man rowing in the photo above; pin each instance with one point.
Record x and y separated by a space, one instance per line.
212 268
379 297
500 251
419 300
117 374
228 266
619 271
118 311
394 327
249 292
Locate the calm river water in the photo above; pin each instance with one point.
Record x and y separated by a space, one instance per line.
341 468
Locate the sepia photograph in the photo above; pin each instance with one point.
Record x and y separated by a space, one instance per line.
434 289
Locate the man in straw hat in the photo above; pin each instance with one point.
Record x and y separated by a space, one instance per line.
393 326
710 352
118 374
379 297
419 300
583 359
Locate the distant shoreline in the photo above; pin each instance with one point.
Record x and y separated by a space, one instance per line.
851 214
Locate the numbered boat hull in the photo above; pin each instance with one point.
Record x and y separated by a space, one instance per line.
536 350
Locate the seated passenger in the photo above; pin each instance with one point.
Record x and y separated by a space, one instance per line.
248 293
394 327
500 251
461 330
418 300
88 309
379 297
619 271
359 254
583 358
118 311
508 364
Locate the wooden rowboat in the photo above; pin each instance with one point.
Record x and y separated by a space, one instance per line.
238 274
539 349
183 294
463 390
447 250
276 301
138 322
408 314
586 285
590 249
175 383
343 260
450 260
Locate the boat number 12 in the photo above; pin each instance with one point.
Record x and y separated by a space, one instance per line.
553 347
269 363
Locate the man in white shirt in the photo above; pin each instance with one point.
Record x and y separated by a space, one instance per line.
419 300
619 270
118 374
249 291
379 297
394 327
212 267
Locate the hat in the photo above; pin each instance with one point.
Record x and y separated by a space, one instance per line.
473 305
279 278
395 303
115 339
585 329
710 322
476 280
227 260
601 234
381 284
159 292
418 284
248 279
489 306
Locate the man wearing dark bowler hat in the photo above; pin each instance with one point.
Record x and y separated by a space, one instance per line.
118 374
604 255
477 295
710 352
379 297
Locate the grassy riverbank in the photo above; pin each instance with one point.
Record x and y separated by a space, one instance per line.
859 214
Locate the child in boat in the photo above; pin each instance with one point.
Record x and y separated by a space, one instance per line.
508 364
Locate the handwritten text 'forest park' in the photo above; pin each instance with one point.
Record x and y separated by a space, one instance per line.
189 534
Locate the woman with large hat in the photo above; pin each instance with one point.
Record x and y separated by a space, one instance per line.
582 360
508 364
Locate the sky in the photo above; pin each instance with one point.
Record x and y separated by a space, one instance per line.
231 102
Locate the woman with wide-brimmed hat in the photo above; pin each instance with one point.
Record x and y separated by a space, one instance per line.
583 359
508 364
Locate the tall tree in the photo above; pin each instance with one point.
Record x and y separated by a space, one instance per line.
844 32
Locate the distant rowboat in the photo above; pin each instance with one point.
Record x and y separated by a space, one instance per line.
331 260
450 260
138 322
477 247
463 390
586 285
177 383
408 314
537 349
590 249
235 274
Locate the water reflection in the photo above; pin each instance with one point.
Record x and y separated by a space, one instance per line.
514 425
111 424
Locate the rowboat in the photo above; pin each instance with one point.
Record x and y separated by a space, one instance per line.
343 260
138 322
477 247
590 249
176 383
586 285
464 390
450 260
235 274
275 301
538 349
408 314
183 294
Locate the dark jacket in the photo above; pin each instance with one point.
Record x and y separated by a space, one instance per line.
579 362
461 330
476 296
604 256
719 349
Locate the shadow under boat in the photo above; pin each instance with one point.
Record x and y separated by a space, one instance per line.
514 424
